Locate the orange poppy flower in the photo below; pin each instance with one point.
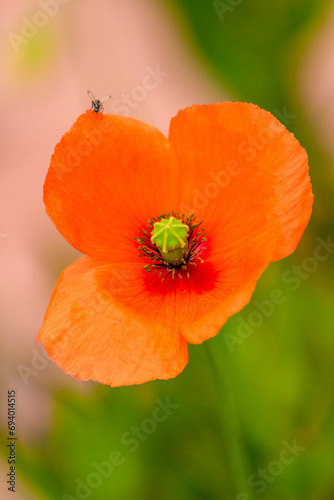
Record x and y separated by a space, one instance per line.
229 191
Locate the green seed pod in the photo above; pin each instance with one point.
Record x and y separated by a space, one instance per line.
170 237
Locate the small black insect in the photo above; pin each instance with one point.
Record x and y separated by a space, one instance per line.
97 105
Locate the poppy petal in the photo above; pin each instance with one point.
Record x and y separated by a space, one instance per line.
196 306
91 334
215 289
108 176
240 162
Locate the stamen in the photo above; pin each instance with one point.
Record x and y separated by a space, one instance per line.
171 254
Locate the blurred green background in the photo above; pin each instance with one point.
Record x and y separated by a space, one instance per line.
265 383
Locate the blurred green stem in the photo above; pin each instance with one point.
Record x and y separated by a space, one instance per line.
236 462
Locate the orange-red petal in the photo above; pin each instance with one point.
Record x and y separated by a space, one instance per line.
214 290
240 162
108 176
90 331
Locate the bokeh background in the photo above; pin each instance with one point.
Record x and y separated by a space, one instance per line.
265 383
